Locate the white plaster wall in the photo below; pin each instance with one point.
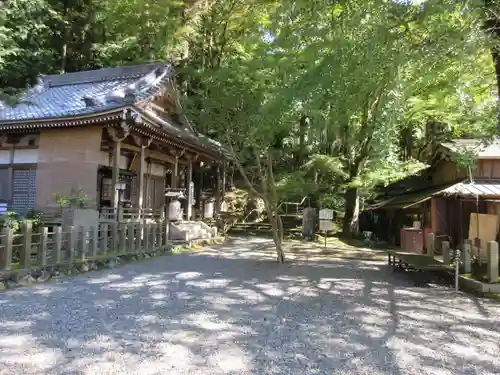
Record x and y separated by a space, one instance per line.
4 157
26 156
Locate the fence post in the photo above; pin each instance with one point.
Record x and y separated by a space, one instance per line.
25 253
6 255
42 251
151 241
140 234
158 236
445 247
131 239
123 238
104 240
73 237
145 246
160 233
466 256
493 262
56 259
430 244
93 241
82 242
114 238
152 236
166 231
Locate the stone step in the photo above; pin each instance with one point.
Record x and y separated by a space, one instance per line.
190 230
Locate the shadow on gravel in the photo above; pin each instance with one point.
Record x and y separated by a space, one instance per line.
232 310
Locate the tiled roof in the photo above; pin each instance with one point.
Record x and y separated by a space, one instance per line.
80 93
481 149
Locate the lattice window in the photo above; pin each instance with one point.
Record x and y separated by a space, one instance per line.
23 190
107 189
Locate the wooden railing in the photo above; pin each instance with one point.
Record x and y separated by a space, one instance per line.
121 215
28 249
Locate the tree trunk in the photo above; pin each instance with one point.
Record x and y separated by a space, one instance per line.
492 25
65 37
302 140
277 228
350 225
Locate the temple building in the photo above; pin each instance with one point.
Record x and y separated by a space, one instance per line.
110 139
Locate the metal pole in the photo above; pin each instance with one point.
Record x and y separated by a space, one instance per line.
325 239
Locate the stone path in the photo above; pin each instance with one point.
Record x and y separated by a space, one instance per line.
229 310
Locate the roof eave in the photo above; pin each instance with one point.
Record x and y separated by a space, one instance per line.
51 121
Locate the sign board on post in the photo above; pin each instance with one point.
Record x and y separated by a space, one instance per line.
191 193
325 225
325 221
326 214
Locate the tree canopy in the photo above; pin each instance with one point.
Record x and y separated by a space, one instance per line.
328 99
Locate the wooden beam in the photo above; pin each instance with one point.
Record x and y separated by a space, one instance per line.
154 154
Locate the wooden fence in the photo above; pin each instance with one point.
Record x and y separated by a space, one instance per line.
28 249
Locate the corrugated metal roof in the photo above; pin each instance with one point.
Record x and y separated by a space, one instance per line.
482 149
67 95
408 200
481 188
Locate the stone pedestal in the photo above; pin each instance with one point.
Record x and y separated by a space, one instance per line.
493 262
175 210
208 209
81 217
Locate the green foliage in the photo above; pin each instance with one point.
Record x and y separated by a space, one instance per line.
370 76
36 218
10 220
76 199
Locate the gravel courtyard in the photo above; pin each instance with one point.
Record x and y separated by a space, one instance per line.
229 310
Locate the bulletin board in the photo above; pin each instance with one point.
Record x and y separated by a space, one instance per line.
488 228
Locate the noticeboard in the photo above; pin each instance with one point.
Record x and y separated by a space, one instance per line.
326 214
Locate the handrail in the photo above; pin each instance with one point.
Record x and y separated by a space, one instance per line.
252 211
296 204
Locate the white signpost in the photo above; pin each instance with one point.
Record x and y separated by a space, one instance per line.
325 221
191 201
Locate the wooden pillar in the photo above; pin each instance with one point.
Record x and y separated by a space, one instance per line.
200 190
189 206
175 172
117 134
223 180
116 172
143 143
140 177
217 190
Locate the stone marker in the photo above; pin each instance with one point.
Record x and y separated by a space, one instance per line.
430 244
445 247
309 222
493 262
466 256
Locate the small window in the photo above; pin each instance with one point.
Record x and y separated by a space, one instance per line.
31 142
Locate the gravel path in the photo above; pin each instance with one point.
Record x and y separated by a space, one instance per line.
229 311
